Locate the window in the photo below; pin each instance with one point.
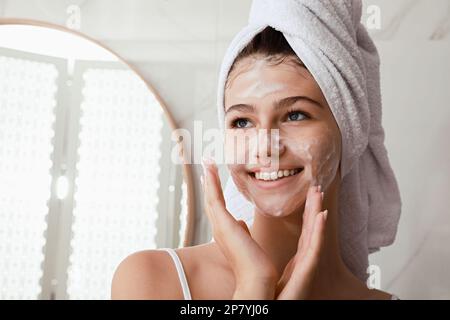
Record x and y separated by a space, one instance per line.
117 182
26 120
83 170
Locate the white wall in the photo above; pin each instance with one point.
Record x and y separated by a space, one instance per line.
178 45
416 91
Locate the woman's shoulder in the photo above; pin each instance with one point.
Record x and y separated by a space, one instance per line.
152 274
147 274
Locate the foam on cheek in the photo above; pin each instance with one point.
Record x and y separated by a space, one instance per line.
236 173
320 157
239 152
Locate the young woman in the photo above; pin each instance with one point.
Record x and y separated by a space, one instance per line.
291 251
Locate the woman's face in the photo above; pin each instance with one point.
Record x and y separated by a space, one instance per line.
274 173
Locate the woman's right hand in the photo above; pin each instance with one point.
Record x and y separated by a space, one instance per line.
255 275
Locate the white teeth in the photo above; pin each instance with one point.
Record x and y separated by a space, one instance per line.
275 175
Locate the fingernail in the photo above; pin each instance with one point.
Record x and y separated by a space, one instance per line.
208 160
321 195
319 188
325 214
204 167
205 164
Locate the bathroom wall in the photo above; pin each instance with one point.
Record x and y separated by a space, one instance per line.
178 46
414 45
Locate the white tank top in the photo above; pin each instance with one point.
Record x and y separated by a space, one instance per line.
180 271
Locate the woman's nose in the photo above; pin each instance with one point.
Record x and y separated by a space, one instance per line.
269 146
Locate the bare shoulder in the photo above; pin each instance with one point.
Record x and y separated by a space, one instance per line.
152 275
147 274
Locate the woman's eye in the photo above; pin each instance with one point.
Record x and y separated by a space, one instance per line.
240 123
296 116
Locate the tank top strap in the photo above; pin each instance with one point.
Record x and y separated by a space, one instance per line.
181 273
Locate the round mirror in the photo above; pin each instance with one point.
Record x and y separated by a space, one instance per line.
87 166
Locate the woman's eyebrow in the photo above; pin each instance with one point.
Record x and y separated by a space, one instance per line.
241 107
283 103
286 102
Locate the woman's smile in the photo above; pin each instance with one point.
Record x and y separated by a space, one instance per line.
275 179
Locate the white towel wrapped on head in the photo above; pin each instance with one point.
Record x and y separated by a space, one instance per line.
330 40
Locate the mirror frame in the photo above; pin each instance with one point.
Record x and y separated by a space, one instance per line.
187 169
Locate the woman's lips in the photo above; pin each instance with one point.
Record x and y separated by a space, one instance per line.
270 184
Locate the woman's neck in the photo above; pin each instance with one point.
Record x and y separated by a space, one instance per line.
279 237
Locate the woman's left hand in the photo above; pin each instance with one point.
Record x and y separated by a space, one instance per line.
297 278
